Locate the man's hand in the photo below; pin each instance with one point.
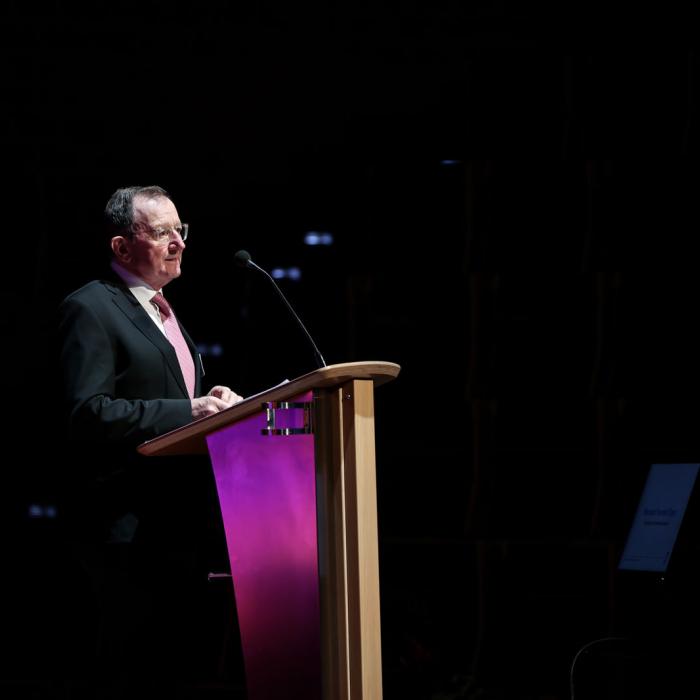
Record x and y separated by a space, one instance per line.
225 394
218 399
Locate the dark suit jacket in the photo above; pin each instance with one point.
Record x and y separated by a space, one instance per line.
143 532
121 376
122 384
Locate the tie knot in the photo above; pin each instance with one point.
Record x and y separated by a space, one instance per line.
163 306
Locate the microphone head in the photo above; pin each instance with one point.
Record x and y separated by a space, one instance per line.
242 258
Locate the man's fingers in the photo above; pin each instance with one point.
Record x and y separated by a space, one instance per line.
225 394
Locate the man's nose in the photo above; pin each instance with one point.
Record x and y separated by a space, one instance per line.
176 242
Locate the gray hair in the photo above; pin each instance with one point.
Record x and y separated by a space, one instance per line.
119 212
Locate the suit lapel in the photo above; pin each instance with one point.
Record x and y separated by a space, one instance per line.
131 307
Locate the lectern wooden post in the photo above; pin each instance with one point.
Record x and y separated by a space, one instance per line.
295 474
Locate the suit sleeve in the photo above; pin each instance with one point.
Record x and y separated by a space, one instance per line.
88 365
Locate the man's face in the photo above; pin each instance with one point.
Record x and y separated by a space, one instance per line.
156 262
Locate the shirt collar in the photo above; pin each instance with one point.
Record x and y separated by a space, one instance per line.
140 289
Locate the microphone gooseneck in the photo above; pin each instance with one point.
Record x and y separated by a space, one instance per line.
243 259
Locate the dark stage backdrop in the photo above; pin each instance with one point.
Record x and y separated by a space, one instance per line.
512 195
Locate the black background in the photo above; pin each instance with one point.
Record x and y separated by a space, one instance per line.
512 191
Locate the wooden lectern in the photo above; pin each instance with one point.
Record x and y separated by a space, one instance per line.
295 473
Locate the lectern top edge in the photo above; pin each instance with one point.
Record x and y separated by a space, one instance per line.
190 438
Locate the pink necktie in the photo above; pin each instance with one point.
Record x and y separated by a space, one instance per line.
172 330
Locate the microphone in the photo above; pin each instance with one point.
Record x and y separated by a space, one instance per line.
242 258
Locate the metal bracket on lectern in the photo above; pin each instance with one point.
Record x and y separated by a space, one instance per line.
272 411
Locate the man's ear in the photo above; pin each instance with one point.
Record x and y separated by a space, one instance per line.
121 249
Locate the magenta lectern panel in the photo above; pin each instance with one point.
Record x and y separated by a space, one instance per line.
267 492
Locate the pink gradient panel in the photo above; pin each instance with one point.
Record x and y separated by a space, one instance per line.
267 492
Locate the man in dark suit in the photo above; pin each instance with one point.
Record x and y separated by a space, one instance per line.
130 372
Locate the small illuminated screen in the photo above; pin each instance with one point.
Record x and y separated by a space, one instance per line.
659 516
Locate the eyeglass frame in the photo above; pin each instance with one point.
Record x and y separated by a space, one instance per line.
156 235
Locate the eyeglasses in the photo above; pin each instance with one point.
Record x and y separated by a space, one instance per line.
163 236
